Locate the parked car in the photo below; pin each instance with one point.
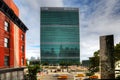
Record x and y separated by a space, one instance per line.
56 75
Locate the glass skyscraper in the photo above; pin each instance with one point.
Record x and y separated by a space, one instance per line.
59 35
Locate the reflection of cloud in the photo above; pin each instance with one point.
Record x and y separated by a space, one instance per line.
60 43
30 15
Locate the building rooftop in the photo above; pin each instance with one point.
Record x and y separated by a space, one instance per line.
59 9
10 14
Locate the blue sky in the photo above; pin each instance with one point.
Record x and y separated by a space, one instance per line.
97 18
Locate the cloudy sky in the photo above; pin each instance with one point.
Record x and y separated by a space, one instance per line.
97 18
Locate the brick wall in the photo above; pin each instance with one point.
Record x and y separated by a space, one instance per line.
4 34
15 42
22 43
1 39
12 5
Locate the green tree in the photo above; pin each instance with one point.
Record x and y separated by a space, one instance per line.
96 53
117 52
32 72
94 63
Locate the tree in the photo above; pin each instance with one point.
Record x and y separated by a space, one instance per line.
117 52
45 63
94 61
32 72
96 53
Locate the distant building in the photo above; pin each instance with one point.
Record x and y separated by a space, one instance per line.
34 61
86 63
117 68
60 35
32 58
12 39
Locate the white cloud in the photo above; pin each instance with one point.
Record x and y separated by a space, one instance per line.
101 22
104 23
96 19
33 53
51 3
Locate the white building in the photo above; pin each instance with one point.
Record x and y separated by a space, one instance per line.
117 68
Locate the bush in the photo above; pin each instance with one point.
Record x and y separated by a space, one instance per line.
32 72
89 74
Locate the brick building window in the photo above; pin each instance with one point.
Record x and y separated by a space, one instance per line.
6 61
22 61
6 42
22 48
6 26
22 37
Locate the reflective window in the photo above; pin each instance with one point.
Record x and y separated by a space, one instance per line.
6 61
6 26
59 36
22 48
22 61
6 42
22 37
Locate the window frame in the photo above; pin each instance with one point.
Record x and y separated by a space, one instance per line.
22 48
6 42
6 26
6 60
22 61
22 37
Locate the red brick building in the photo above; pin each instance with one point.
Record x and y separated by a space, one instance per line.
12 36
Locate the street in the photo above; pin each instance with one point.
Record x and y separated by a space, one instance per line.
53 77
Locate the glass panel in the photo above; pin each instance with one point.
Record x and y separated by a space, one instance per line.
6 23
22 48
22 37
6 26
6 60
6 42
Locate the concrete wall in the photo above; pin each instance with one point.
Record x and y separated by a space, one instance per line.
106 57
12 74
16 46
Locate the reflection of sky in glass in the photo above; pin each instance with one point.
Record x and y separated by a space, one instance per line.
59 28
60 34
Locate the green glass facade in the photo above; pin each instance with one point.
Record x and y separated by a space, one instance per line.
60 35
